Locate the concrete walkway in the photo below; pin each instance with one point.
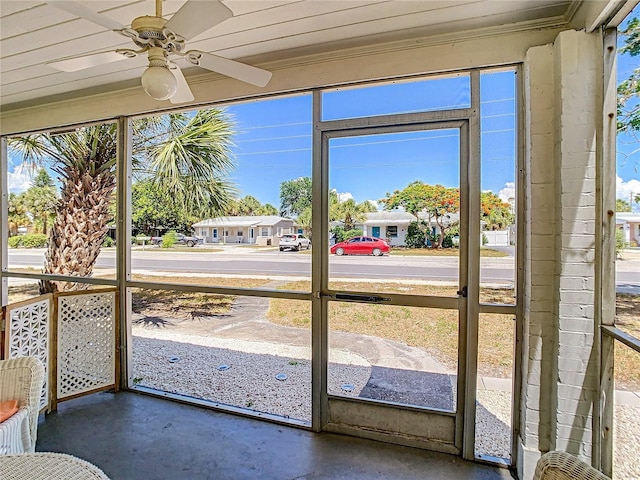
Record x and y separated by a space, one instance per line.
622 397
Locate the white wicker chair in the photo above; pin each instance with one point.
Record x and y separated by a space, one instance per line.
564 466
21 379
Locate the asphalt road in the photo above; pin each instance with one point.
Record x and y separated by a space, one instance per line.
243 261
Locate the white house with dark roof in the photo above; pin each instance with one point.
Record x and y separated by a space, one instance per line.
254 229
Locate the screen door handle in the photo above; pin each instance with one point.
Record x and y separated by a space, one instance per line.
361 298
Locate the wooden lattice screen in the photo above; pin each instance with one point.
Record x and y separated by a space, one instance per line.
74 334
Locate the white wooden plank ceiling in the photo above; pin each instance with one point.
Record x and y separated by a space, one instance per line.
33 33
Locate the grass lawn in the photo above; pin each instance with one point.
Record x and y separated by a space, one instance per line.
156 303
430 252
180 248
433 330
443 252
627 367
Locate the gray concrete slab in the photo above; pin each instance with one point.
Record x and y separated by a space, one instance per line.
132 436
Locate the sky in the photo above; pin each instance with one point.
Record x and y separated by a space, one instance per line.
628 146
274 138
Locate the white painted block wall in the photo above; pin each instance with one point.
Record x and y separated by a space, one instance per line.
560 370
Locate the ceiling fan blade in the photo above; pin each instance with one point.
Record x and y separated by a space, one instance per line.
81 11
87 61
196 16
231 68
183 93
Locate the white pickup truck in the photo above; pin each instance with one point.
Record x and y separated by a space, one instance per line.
294 241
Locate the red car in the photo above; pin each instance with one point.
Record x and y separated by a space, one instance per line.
361 246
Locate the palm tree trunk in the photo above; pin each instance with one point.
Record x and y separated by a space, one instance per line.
79 228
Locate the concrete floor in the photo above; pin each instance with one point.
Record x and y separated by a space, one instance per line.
133 436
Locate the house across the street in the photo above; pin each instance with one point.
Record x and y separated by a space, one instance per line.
629 223
256 229
392 225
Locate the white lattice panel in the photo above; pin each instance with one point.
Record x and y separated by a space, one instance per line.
86 343
28 335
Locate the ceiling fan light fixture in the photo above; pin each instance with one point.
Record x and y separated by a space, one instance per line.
157 79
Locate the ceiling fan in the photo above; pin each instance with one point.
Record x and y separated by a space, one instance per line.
160 39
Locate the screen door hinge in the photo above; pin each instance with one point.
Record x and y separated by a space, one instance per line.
463 292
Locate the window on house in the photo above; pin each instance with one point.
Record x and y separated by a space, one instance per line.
392 231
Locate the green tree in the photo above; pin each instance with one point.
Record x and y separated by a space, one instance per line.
304 220
350 212
629 89
152 210
17 213
248 206
437 202
40 200
414 198
622 205
495 213
295 196
186 156
268 209
443 204
42 179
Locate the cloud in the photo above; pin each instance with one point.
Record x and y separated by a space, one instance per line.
624 190
19 180
508 193
343 197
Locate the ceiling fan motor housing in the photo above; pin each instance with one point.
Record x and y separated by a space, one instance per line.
151 32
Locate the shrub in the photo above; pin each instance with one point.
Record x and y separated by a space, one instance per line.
354 232
108 242
169 239
620 242
34 240
15 242
485 240
342 234
416 236
447 242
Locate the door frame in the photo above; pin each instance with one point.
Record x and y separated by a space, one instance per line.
463 420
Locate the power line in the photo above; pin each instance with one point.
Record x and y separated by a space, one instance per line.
259 127
269 139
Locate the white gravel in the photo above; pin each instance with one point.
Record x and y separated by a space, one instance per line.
493 423
493 432
250 379
626 455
